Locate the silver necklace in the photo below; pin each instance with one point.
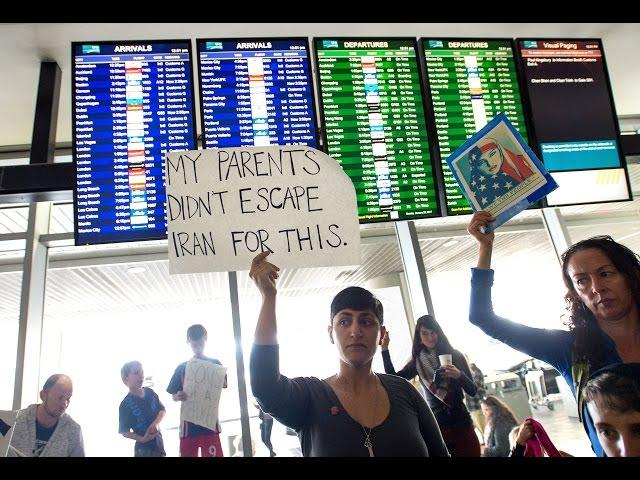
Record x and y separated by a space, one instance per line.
367 434
367 441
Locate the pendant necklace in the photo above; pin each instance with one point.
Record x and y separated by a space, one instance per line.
367 434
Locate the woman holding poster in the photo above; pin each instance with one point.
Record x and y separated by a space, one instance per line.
602 278
354 413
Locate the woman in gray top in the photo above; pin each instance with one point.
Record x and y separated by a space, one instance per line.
354 412
500 422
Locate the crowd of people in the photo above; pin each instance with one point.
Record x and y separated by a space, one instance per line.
383 414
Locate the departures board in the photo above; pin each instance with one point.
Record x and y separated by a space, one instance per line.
470 81
374 125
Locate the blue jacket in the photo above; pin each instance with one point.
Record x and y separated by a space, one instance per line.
552 346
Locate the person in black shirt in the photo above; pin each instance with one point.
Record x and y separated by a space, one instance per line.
45 429
355 412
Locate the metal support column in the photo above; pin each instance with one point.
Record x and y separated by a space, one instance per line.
242 384
414 271
34 276
406 302
557 230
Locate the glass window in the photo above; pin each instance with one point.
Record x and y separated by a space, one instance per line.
14 219
10 285
528 289
99 317
620 220
61 218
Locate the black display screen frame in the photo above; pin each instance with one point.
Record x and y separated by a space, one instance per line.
431 121
534 141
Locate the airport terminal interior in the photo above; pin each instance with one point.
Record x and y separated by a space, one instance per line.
85 310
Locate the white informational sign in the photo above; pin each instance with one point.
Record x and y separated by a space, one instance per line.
203 383
224 206
7 424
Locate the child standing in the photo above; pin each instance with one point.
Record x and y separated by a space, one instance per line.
140 413
195 438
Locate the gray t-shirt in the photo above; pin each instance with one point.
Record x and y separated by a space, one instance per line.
311 407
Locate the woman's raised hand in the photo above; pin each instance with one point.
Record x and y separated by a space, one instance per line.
264 274
479 221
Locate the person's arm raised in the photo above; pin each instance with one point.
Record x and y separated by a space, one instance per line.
409 371
550 346
479 221
285 399
264 274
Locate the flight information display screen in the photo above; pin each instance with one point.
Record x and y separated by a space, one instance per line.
374 125
574 119
470 81
132 103
256 92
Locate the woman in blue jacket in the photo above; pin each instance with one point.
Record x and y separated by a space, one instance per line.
603 298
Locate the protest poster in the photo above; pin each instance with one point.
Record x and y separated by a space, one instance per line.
224 206
498 172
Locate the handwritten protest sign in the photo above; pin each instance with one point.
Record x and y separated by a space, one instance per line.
498 172
203 382
224 206
7 423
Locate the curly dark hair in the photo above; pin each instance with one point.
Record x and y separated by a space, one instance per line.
588 346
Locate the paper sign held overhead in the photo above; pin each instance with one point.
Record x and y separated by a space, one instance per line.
498 172
224 206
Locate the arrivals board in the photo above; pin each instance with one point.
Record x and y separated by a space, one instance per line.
470 81
132 103
256 92
374 125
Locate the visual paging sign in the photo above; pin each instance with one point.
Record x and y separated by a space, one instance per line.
224 206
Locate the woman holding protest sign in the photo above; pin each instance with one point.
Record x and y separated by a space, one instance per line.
354 412
602 278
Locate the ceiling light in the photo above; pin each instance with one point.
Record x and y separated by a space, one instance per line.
136 270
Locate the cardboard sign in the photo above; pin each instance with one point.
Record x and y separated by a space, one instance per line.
224 206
